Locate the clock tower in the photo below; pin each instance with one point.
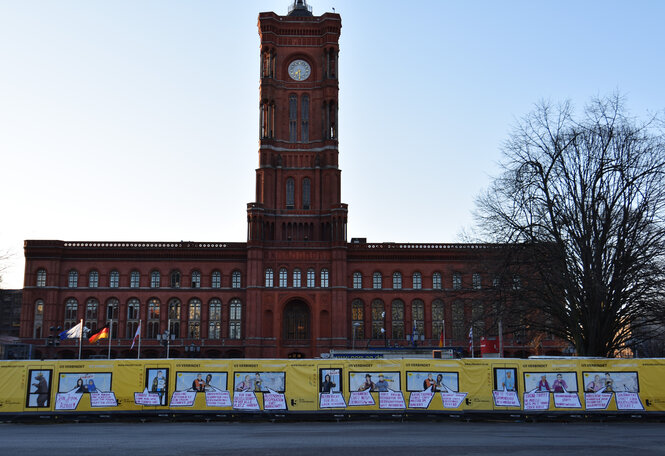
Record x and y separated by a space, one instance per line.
296 227
298 178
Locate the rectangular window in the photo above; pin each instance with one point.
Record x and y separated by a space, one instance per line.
293 118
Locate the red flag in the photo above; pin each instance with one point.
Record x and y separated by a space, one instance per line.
441 338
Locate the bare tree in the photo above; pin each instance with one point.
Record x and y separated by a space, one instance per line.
581 200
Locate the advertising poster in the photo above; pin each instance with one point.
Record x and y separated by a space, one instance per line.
157 383
550 382
82 382
39 388
611 382
259 382
437 381
374 381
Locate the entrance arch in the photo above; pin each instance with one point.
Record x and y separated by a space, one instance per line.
296 321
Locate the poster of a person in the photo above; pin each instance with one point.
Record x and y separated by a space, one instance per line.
330 380
440 382
157 383
84 382
611 382
504 379
374 381
259 381
200 381
552 382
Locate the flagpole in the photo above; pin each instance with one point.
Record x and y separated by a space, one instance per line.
140 328
80 338
110 337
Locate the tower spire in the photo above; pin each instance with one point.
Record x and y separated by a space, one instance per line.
300 8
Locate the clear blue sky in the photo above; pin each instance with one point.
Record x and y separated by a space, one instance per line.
138 120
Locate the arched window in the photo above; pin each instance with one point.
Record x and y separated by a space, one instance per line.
269 278
133 315
215 319
378 319
71 313
41 277
324 278
377 280
93 279
236 279
39 319
73 281
398 319
304 118
457 281
357 319
235 318
475 281
196 279
194 320
91 309
283 278
175 279
478 318
296 278
216 279
437 320
155 279
135 279
112 316
357 280
293 118
153 318
397 280
174 317
436 281
114 279
311 278
290 193
306 194
417 280
418 316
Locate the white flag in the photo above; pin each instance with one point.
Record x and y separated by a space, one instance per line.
72 333
136 336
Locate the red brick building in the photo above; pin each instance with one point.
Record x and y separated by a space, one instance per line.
296 287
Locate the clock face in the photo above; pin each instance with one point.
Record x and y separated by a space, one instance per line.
299 70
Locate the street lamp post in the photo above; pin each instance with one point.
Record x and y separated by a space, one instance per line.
166 339
354 325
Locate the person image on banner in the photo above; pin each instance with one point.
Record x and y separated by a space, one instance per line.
327 385
559 385
198 384
368 385
429 382
159 387
508 383
543 385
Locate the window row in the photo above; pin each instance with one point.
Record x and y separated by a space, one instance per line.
437 283
297 278
96 316
391 322
175 279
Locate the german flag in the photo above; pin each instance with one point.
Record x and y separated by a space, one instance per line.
102 334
